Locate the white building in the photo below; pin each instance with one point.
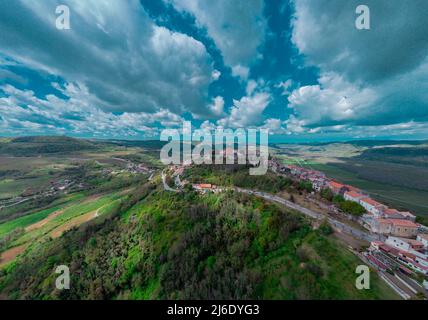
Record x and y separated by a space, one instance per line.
353 196
372 206
408 245
423 238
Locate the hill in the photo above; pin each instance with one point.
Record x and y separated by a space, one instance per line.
160 245
41 145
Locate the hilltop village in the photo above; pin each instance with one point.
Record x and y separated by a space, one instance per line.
402 241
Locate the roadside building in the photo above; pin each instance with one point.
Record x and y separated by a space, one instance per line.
403 228
206 187
337 188
318 183
404 244
353 196
351 188
408 216
393 227
372 206
390 213
423 238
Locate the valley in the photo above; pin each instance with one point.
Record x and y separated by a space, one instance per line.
104 212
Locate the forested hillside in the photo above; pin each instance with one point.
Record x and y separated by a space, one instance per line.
160 245
33 146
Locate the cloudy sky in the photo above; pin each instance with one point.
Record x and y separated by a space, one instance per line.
128 68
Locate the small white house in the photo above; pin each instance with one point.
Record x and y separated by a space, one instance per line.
404 244
353 196
423 238
372 206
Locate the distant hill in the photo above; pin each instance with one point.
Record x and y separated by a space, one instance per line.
147 144
34 146
374 143
359 143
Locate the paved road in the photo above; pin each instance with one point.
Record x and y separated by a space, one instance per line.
165 185
356 233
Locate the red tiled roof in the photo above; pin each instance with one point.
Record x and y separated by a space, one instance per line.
351 188
391 211
372 202
403 223
335 184
204 186
406 214
354 194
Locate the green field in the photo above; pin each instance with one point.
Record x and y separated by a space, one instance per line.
171 246
70 212
25 221
400 197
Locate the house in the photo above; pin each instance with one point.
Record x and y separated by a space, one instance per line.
318 183
390 213
408 245
372 206
423 238
353 196
337 188
408 216
403 228
394 227
377 225
351 188
205 187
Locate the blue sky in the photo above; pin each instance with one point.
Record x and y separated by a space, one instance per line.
128 69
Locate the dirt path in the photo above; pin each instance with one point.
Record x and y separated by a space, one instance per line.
41 223
74 223
11 254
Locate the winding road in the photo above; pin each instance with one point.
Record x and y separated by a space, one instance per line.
342 227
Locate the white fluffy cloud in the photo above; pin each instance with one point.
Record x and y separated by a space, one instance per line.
217 107
367 78
246 112
24 113
332 101
237 27
275 126
113 48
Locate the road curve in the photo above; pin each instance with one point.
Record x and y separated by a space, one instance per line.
356 233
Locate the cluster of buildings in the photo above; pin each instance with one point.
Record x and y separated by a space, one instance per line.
206 187
406 253
406 243
317 178
61 185
380 219
137 168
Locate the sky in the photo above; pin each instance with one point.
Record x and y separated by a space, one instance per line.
300 68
